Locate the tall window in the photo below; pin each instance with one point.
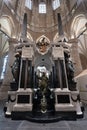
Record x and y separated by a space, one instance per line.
28 4
56 4
4 67
42 8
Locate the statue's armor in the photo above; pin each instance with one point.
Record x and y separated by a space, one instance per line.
15 69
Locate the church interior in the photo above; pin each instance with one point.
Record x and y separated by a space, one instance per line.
43 64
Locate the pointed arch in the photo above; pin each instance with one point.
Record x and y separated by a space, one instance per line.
29 36
7 25
82 44
78 25
57 38
41 37
78 30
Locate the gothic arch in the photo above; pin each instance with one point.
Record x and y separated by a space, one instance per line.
78 25
78 30
43 36
29 36
7 25
56 37
82 44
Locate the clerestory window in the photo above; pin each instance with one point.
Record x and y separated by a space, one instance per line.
28 4
42 8
4 67
56 4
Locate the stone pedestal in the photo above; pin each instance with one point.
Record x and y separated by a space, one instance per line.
63 100
76 102
11 102
23 100
67 101
19 101
81 80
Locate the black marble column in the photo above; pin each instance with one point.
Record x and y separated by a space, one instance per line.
60 74
54 76
32 77
59 68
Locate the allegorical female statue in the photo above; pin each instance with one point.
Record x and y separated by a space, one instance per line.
16 67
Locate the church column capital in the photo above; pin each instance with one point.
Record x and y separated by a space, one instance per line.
12 41
74 40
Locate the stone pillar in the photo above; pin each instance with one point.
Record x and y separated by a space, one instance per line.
8 76
49 14
75 57
1 6
20 9
35 15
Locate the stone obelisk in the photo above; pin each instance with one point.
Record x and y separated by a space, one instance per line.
24 27
60 26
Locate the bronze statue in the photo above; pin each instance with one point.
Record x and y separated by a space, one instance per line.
16 67
70 72
43 83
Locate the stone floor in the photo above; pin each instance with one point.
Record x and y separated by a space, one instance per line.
8 124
